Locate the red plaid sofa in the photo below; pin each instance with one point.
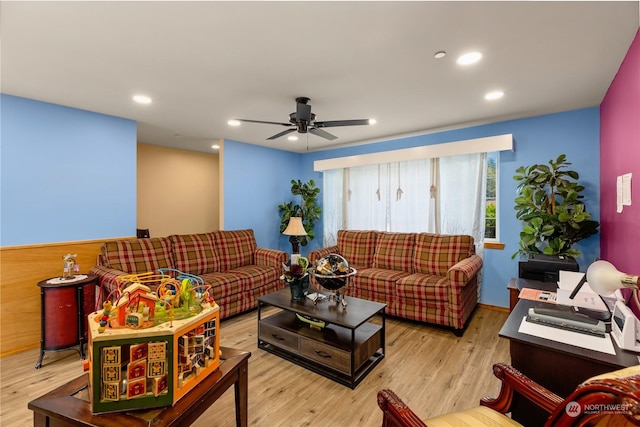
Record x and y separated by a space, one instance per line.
230 261
420 276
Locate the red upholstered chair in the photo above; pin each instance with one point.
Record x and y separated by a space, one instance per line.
611 399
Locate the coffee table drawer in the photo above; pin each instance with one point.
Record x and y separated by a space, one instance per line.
279 337
326 354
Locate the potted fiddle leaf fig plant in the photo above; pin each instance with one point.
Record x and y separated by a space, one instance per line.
549 205
307 209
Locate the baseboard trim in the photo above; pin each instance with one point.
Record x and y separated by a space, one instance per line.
494 307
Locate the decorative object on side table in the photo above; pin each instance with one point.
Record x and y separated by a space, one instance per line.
332 272
297 278
70 267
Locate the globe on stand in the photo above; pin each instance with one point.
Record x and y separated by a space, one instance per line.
332 272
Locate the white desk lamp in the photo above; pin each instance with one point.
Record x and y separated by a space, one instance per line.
605 279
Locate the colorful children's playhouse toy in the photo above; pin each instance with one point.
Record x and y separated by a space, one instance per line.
148 348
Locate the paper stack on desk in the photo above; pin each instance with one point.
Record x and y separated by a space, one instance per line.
585 298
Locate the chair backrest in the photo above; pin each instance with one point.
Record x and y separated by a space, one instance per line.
611 399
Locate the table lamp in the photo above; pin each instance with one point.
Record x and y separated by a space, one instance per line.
295 229
605 279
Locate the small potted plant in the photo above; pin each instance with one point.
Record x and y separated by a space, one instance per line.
549 205
297 277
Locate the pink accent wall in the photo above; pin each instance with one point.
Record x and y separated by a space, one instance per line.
620 154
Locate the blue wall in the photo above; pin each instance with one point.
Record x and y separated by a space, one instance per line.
536 140
66 174
257 180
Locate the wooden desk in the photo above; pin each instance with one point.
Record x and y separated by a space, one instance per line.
557 366
68 405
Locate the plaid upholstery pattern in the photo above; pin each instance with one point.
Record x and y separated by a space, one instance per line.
422 310
254 276
138 256
436 253
235 248
424 287
222 284
357 247
195 253
315 255
272 258
394 251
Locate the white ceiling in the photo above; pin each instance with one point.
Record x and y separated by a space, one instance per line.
203 63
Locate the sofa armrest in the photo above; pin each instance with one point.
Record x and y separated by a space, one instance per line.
107 278
462 272
271 257
315 255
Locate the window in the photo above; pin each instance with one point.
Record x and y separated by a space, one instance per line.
491 198
440 195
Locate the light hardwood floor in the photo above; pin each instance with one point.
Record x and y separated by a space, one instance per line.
430 368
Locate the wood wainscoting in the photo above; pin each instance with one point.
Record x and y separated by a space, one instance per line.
22 267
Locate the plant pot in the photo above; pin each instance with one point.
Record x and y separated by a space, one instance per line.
299 288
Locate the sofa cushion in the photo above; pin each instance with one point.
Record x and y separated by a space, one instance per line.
357 247
235 248
195 253
138 256
394 251
423 287
436 253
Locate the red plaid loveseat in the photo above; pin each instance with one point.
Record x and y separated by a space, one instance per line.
420 276
230 261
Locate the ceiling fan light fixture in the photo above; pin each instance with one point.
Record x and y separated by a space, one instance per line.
233 122
469 58
292 138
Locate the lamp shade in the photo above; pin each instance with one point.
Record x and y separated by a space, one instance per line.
605 279
295 228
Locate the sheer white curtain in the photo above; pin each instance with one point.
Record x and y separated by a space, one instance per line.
461 196
444 195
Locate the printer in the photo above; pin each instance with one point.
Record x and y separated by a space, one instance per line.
545 268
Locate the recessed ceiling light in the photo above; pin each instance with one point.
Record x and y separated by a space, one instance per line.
215 146
372 121
469 58
142 99
178 135
233 122
492 96
440 54
293 138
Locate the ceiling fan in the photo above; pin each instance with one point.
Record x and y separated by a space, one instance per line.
303 121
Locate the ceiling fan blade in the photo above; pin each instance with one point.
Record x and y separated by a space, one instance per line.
303 112
335 123
322 133
283 133
263 122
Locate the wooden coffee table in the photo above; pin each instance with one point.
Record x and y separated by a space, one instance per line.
346 350
68 405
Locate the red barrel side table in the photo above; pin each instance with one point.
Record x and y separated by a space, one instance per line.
65 305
